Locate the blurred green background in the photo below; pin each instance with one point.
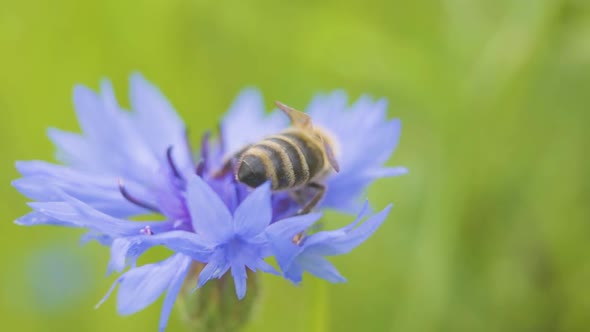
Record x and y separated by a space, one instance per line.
491 229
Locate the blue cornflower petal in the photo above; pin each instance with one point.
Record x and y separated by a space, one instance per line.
387 172
294 273
320 267
73 213
210 217
216 267
238 241
73 149
324 108
281 233
308 255
107 136
91 235
361 161
97 190
117 145
238 272
126 250
160 124
336 243
141 286
248 224
37 218
260 264
246 121
182 268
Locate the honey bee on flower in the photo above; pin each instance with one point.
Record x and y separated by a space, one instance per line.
247 195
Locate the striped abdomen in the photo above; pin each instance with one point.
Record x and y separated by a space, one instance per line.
288 160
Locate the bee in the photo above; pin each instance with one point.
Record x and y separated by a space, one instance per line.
296 159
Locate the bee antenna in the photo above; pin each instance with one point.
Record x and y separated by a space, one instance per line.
134 200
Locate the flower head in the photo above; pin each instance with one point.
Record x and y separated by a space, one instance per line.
132 163
124 163
297 252
225 242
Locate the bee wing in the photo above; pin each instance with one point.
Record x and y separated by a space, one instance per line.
331 157
303 121
298 118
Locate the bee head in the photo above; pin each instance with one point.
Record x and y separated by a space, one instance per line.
251 171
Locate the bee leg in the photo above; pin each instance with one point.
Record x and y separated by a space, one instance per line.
320 191
298 196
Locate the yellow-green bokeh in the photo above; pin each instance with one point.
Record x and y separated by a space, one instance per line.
491 228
